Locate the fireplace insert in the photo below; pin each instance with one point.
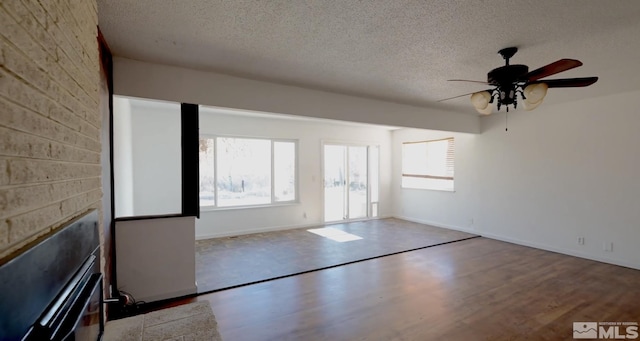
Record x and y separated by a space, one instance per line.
53 290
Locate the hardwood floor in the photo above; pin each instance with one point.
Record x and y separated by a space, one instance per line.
227 262
477 289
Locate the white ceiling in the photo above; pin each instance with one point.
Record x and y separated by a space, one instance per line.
395 50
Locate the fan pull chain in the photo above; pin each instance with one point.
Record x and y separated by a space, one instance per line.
506 121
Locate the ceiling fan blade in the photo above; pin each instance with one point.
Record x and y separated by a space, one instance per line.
466 80
569 82
454 97
551 69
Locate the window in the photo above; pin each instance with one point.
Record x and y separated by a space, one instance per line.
246 171
428 164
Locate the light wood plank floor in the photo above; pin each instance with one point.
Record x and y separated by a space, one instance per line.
477 289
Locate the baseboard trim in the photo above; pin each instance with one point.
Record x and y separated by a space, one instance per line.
562 251
437 224
540 246
159 297
277 228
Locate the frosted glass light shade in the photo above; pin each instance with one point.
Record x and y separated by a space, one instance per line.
480 101
534 95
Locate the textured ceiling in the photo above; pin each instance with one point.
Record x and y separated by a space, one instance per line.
395 50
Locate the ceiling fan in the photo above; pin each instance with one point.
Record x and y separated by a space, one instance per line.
509 81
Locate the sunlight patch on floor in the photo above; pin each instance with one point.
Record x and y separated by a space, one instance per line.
335 234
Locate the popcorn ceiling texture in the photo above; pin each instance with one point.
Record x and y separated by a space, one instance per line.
49 117
400 51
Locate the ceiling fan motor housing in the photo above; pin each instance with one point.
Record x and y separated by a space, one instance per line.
507 74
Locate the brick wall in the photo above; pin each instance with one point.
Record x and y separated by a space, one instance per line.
49 117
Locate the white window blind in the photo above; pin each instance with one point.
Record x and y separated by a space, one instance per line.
428 164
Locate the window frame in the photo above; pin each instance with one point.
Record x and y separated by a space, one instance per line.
273 202
449 163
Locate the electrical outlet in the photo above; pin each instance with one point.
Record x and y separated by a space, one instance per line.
580 240
607 246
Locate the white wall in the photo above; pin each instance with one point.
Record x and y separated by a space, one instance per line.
122 157
156 258
147 157
310 135
560 172
156 152
455 210
564 171
147 80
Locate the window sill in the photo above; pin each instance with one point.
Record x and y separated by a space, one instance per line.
231 208
430 189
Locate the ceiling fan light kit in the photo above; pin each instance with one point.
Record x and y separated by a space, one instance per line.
482 102
533 95
511 82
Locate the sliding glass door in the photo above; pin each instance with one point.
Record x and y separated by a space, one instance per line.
347 182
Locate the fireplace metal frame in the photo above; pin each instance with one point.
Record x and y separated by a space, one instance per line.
50 290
